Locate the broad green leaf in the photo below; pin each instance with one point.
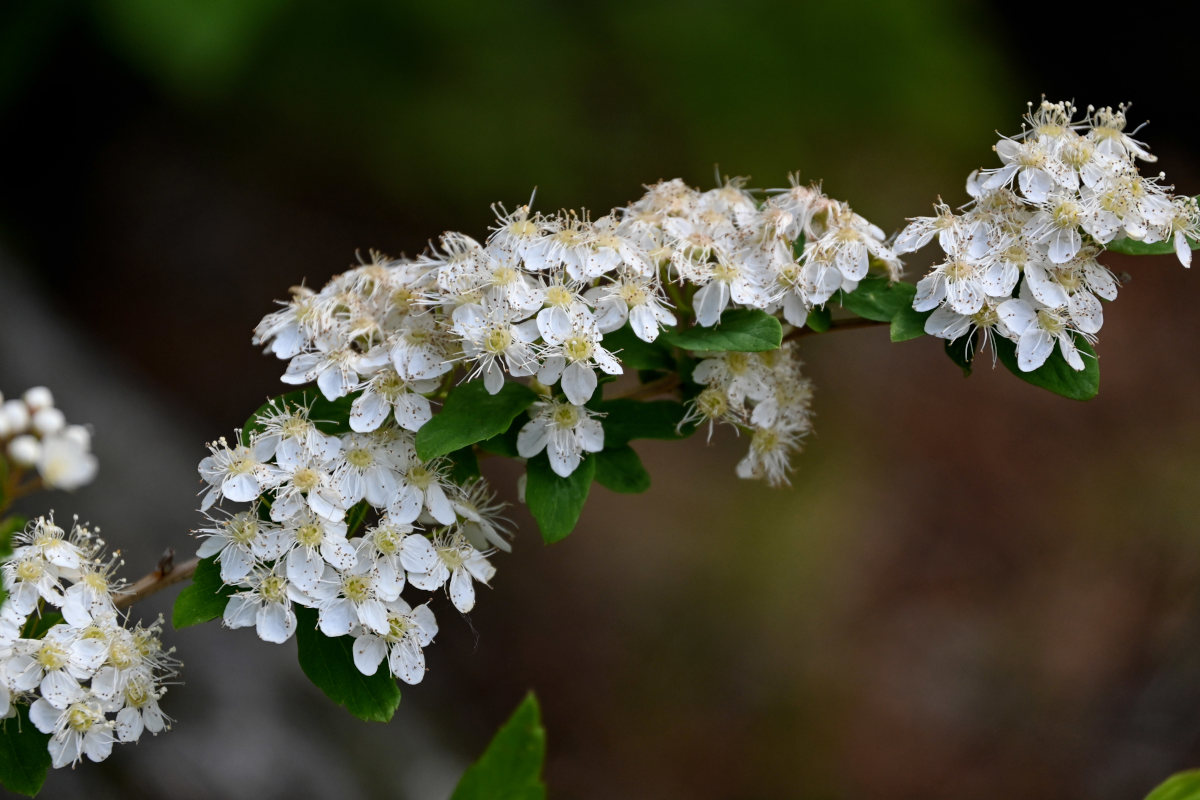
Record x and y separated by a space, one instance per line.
636 354
819 319
625 419
620 469
204 598
1132 247
471 415
506 443
554 501
511 767
1180 786
1056 375
24 757
962 352
329 664
908 324
747 330
877 299
329 416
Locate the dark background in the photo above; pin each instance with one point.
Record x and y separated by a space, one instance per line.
973 589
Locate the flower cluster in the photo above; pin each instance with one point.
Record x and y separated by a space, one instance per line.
299 540
65 651
35 435
765 392
536 299
1021 257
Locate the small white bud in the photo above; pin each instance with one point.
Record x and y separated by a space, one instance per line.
39 397
47 421
78 434
24 450
17 414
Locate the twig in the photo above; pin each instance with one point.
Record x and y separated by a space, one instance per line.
166 573
655 387
841 324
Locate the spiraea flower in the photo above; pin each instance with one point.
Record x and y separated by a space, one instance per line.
564 430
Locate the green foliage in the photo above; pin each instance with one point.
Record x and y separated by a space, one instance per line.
204 598
626 419
908 324
635 353
356 516
554 501
1132 247
8 526
329 664
511 767
962 352
329 416
24 759
464 465
1181 786
747 330
819 319
620 469
877 298
1056 375
471 415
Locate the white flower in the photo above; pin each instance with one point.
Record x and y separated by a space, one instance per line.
311 542
493 338
354 597
458 562
421 485
393 550
1037 329
77 730
389 394
564 430
266 604
238 542
572 351
408 630
239 472
479 515
65 463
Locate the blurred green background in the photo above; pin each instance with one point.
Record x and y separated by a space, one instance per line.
973 590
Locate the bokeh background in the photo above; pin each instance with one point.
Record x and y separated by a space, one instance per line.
973 590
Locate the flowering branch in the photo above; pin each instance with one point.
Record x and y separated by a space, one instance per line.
166 573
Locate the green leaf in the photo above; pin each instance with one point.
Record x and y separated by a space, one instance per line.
747 330
962 352
636 354
819 319
204 598
1181 786
329 416
355 516
506 443
329 664
625 419
24 758
908 324
464 465
620 469
8 526
1056 375
511 767
471 415
878 299
554 501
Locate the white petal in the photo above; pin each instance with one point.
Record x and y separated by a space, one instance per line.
368 652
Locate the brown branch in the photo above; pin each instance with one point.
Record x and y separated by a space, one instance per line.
840 324
658 386
166 573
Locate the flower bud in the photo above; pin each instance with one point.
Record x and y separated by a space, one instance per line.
78 434
47 421
24 450
38 397
17 414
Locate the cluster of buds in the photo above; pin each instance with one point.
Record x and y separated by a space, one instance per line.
65 650
1021 257
298 542
34 435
